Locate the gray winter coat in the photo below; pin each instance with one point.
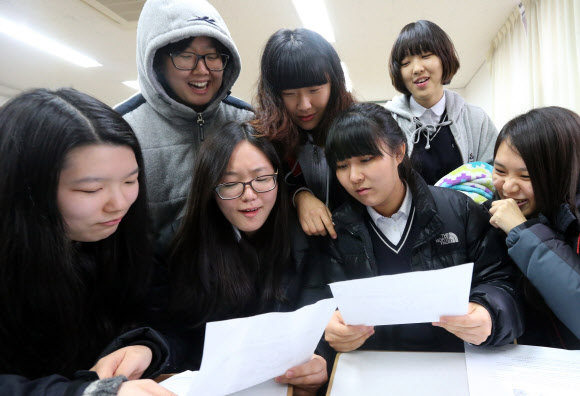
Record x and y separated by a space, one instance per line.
472 128
169 132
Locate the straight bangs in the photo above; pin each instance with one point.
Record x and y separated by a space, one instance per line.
298 67
416 38
547 140
414 42
352 135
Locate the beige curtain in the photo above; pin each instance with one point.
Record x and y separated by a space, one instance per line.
540 67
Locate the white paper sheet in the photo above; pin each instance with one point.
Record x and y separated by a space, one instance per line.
180 384
412 297
240 353
522 370
400 374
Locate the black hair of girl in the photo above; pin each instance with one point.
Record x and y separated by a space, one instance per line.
62 302
548 140
178 46
296 59
416 38
360 130
212 274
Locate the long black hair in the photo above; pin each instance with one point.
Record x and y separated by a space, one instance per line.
296 59
61 301
548 140
213 274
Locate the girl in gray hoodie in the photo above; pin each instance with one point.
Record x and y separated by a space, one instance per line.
187 64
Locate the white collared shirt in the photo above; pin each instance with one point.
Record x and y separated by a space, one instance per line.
428 116
394 226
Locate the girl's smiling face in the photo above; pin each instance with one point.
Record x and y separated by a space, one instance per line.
195 88
422 75
511 178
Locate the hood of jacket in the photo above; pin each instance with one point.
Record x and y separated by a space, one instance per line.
400 106
167 21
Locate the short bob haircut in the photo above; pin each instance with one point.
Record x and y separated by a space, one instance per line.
296 59
360 130
416 38
208 271
548 140
77 295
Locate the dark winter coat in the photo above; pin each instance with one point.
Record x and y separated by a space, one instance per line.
439 212
547 253
59 385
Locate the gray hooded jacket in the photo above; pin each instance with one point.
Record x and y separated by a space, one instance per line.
472 128
169 132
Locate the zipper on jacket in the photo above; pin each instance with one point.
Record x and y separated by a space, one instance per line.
200 122
316 156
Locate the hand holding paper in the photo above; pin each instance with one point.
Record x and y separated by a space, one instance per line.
306 378
474 327
264 346
344 338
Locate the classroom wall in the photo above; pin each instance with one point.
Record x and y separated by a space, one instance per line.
479 92
7 93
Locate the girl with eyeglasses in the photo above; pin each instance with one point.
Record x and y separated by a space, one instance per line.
74 262
536 174
301 89
187 64
235 253
443 131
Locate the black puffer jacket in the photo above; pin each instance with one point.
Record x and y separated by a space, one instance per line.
59 385
439 211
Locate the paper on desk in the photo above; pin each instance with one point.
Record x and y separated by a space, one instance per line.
412 297
240 353
522 370
180 384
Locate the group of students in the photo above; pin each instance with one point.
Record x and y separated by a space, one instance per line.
124 232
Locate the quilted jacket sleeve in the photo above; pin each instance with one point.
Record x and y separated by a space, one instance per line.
552 265
52 385
494 277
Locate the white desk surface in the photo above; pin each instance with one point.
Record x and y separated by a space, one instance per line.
399 374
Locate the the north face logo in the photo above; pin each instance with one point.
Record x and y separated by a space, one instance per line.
204 19
447 238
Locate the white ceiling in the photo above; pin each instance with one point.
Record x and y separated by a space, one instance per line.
365 31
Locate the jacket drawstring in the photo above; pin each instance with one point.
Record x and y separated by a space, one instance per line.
429 130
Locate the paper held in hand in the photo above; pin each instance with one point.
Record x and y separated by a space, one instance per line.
240 353
412 297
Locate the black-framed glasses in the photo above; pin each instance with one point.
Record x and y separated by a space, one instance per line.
188 60
260 184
